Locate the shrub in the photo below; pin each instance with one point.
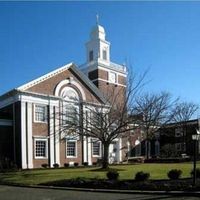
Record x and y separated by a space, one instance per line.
94 163
174 174
197 173
56 165
44 165
112 174
85 163
75 164
142 176
66 165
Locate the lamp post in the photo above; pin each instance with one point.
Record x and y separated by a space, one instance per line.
195 138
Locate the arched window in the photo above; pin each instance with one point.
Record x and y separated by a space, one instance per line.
69 94
70 109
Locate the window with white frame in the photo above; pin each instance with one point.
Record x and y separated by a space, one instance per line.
96 148
112 77
178 146
69 94
94 118
71 114
178 132
104 54
71 150
40 113
91 56
88 116
41 148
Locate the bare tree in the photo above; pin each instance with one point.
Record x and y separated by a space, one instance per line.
107 121
156 110
183 112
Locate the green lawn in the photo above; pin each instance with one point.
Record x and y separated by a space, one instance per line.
157 171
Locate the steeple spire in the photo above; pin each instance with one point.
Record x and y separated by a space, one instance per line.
97 19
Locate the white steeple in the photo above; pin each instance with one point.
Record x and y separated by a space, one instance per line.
98 67
98 49
97 32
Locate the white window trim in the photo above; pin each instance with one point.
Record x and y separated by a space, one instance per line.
91 52
96 156
40 139
178 132
73 105
178 147
76 153
36 121
104 50
109 77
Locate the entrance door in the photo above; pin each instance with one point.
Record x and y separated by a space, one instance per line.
114 152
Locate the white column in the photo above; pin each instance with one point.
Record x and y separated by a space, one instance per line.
110 153
89 151
29 136
85 139
128 148
51 135
23 136
120 149
85 149
57 136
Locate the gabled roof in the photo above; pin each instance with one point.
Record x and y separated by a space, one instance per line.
76 70
44 77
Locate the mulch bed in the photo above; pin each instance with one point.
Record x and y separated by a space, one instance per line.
156 185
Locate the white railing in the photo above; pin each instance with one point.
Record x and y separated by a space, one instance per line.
117 66
111 65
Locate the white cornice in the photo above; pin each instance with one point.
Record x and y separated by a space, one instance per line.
97 65
44 77
15 94
100 79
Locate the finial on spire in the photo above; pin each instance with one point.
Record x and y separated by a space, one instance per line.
97 19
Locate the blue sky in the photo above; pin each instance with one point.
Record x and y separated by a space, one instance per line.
37 37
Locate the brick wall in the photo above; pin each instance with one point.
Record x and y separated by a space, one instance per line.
63 157
48 86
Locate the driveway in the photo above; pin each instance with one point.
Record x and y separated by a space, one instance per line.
22 193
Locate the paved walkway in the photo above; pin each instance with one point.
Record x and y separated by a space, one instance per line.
23 193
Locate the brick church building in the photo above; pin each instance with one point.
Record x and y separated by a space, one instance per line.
28 124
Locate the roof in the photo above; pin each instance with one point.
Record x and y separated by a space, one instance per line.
36 81
44 77
187 123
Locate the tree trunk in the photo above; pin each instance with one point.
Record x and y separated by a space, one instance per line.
105 156
147 152
147 145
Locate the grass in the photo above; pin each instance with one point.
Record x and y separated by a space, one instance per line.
38 176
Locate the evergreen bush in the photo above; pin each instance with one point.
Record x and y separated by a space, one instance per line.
112 174
44 165
142 176
174 174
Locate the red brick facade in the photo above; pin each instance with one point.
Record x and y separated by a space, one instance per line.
47 91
